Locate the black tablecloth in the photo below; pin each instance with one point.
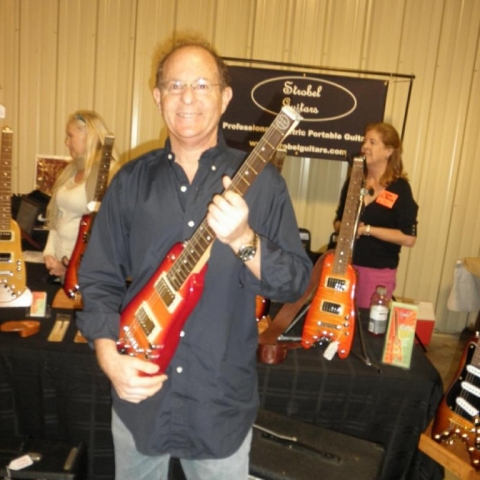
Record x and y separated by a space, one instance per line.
56 391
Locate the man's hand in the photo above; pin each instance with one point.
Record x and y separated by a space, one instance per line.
126 372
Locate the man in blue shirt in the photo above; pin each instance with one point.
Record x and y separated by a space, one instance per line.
202 407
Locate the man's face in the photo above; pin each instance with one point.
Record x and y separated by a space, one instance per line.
192 116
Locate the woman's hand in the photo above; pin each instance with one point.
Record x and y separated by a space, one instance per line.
54 266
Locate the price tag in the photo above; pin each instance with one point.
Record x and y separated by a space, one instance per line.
21 462
331 350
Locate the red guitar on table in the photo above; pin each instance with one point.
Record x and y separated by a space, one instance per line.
70 284
150 325
331 317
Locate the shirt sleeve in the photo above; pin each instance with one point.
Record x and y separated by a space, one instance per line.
406 210
50 245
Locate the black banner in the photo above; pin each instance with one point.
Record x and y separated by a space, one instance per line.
335 110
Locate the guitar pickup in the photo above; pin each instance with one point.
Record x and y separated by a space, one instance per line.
338 284
331 307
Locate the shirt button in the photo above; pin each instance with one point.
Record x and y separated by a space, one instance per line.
214 167
183 188
179 369
182 333
170 156
191 223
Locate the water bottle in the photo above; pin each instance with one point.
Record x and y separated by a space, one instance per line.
379 309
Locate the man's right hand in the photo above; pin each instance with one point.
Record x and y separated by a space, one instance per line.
134 379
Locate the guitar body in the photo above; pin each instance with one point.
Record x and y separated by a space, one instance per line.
12 267
70 284
457 420
331 316
151 324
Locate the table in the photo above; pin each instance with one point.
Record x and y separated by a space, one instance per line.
56 391
379 403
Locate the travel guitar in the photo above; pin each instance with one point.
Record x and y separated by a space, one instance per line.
457 421
150 325
70 284
331 317
12 268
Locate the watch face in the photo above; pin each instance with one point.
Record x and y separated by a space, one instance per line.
247 253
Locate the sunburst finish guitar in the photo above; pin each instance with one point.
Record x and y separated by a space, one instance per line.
331 317
457 421
12 267
150 325
70 284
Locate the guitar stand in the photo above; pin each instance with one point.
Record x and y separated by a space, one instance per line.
364 354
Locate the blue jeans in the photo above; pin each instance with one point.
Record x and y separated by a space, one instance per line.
130 464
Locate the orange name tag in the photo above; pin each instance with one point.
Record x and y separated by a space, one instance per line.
387 199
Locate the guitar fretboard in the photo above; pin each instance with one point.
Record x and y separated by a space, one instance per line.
104 168
6 179
203 237
346 236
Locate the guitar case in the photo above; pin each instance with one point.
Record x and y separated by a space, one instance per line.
316 453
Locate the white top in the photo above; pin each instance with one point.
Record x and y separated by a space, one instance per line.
72 204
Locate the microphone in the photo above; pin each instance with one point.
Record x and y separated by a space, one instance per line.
371 191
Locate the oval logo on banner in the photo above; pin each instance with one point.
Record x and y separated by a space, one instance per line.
317 100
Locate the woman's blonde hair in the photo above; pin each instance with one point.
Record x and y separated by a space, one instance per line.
96 130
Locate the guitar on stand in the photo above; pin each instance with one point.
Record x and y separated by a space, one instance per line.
151 323
457 422
331 316
69 296
13 275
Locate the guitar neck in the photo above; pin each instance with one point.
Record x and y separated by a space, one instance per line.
196 253
348 228
6 179
104 168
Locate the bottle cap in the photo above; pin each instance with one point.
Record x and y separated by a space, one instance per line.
381 290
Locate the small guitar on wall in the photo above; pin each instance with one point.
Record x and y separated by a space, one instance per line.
70 284
12 268
457 421
150 325
331 317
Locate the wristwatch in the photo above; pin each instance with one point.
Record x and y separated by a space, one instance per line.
247 252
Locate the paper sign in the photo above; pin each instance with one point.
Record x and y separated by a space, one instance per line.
400 335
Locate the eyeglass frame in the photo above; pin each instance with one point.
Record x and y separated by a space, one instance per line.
195 86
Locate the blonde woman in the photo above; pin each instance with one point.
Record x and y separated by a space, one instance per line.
75 187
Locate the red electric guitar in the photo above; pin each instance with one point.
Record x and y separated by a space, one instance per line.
70 284
331 317
150 325
13 280
457 421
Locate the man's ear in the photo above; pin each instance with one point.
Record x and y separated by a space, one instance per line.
157 97
227 95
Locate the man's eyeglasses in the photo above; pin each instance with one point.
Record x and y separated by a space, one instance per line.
200 86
